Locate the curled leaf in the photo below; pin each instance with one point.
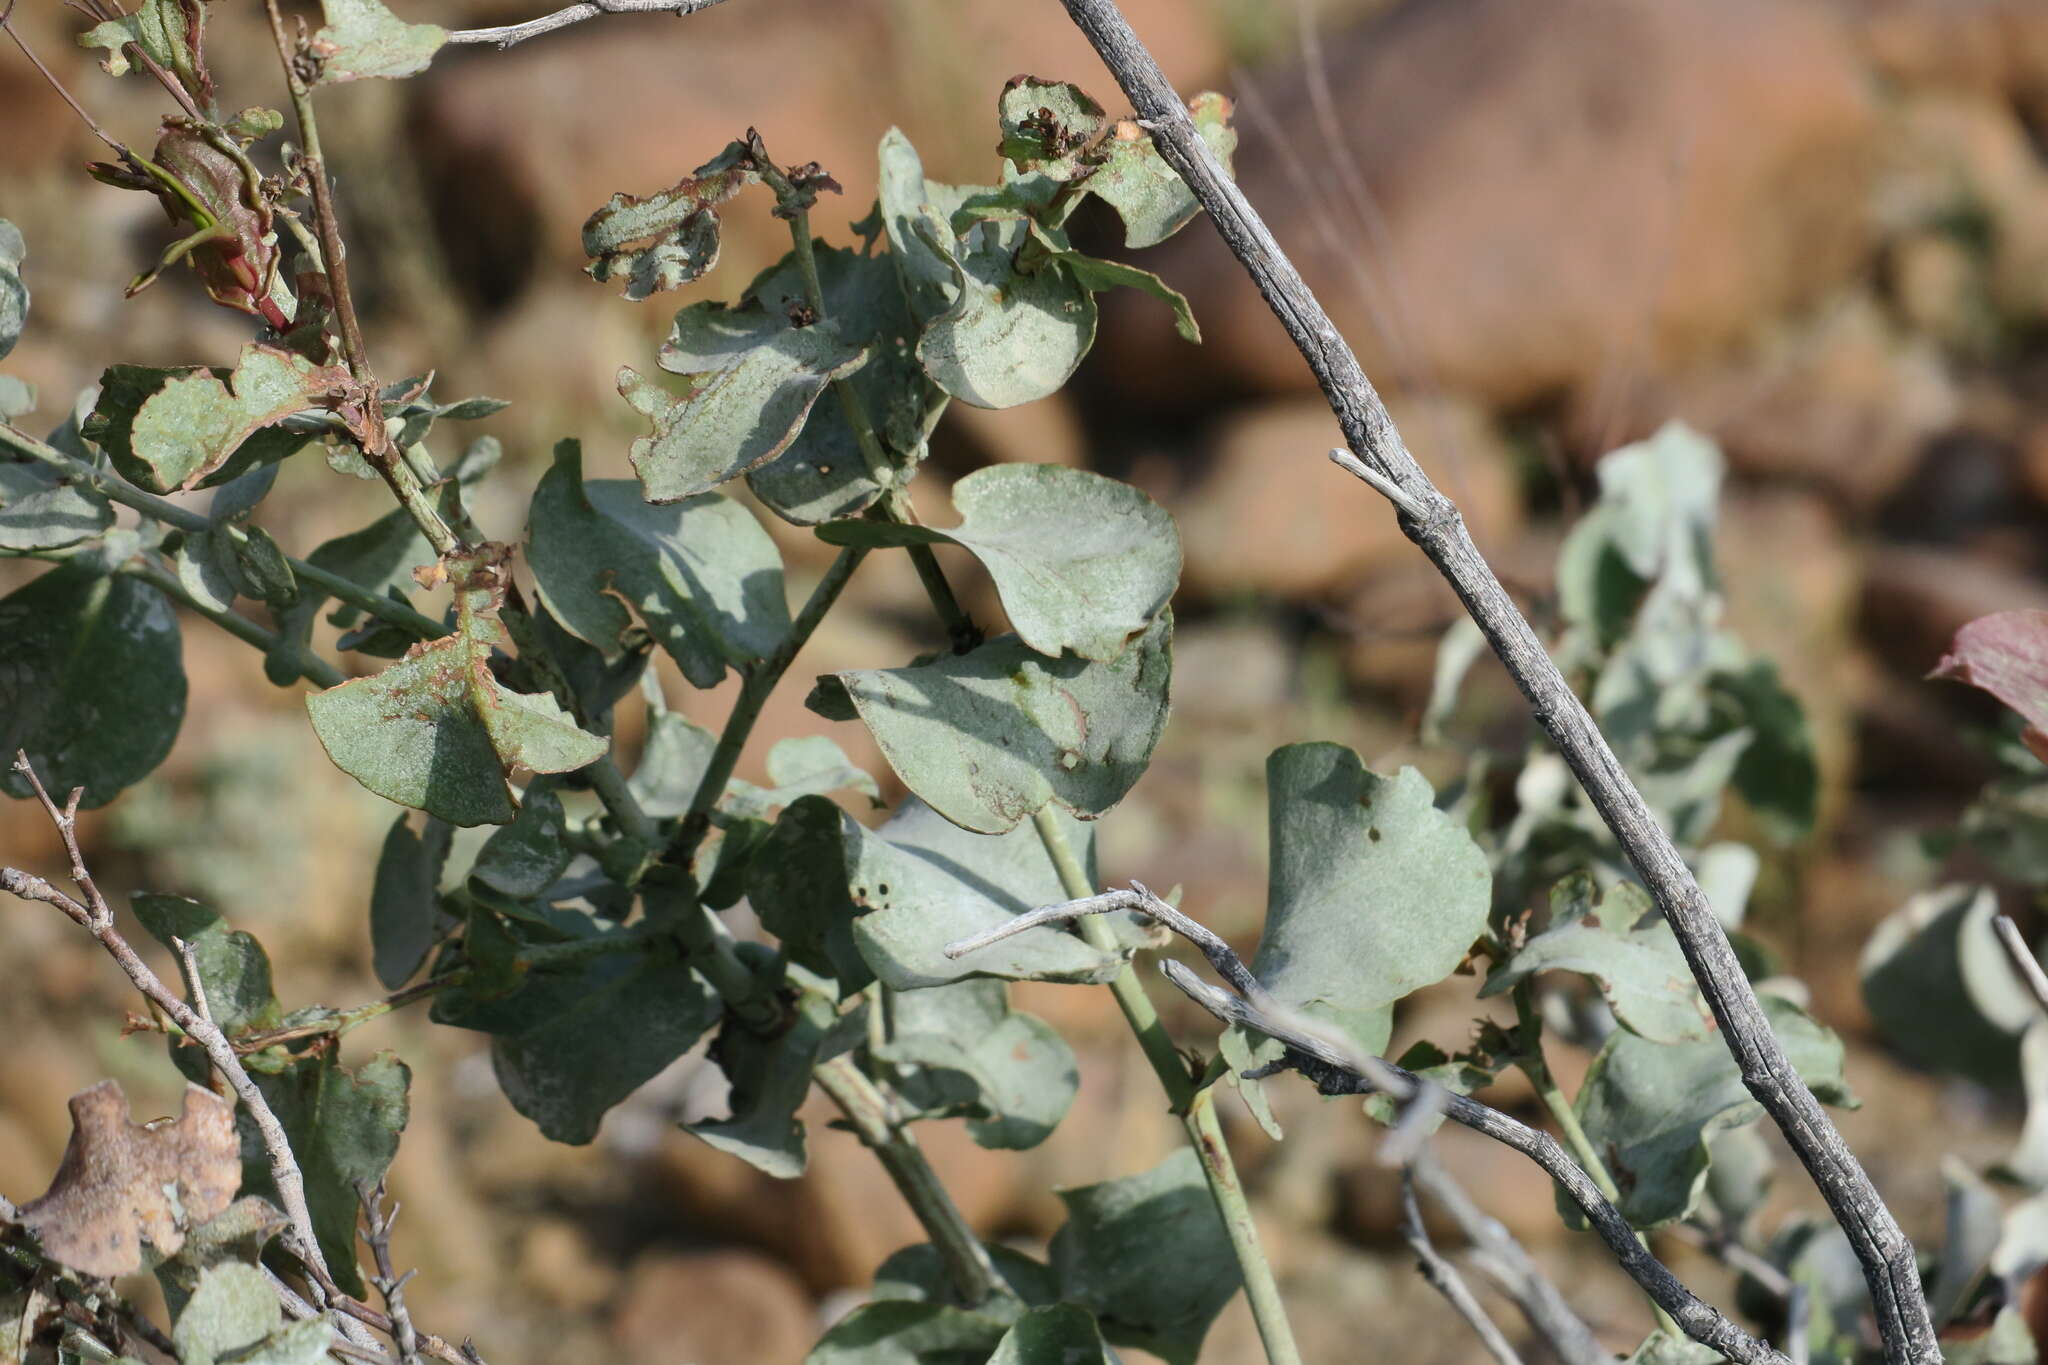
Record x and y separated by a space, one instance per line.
666 240
1149 195
2006 654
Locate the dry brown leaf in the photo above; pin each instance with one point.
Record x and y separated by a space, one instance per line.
122 1182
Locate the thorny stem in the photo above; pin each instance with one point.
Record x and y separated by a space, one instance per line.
115 489
966 1260
1433 522
376 443
1195 1106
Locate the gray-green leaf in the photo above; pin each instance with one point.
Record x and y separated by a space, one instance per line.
1940 987
234 1315
1148 194
44 509
13 291
961 1049
1011 336
666 240
988 737
1081 562
405 900
1372 892
770 1078
363 38
1059 1334
94 688
902 1332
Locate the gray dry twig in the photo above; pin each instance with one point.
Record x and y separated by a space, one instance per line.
505 35
1433 522
2023 960
1444 1277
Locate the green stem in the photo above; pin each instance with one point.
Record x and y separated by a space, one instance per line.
760 682
1530 1060
672 908
310 666
1195 1106
624 807
966 1260
115 489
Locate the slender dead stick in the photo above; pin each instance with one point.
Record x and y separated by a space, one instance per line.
1433 522
505 35
1445 1279
2023 960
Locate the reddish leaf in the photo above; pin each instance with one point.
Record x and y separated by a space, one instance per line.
2006 654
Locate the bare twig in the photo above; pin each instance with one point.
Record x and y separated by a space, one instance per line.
1444 1278
1434 524
377 1234
1501 1259
505 35
2023 960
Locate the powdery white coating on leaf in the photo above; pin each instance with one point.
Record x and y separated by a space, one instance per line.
234 1315
1081 562
2006 654
362 38
1372 892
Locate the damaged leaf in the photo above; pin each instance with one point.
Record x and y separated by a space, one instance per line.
666 240
167 430
362 38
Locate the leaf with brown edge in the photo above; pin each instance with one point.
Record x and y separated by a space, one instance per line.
2006 654
122 1183
666 240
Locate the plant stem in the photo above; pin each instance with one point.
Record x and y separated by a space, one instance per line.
115 489
1529 1058
1195 1106
311 666
966 1260
760 682
610 785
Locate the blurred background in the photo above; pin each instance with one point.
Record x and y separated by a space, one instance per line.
1815 230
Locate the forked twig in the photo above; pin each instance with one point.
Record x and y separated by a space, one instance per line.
1444 1278
1433 522
1336 1068
505 35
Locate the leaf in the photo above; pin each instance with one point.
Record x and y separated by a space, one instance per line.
1010 336
233 968
678 751
2006 654
158 27
93 689
523 859
824 475
666 240
234 1315
568 1045
1096 275
1059 1334
1148 1255
918 1273
701 575
2009 1341
239 1233
1940 988
1778 775
797 883
167 430
961 1049
898 1332
122 1183
362 39
1081 562
45 509
1650 1108
1046 125
990 736
770 1079
13 290
921 242
1149 195
437 731
752 373
344 1126
1975 1218
1371 891
379 558
405 899
1662 1348
1618 938
1461 1073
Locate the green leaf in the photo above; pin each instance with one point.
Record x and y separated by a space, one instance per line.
1940 988
94 690
1372 892
363 38
233 967
701 575
13 290
800 766
1149 1256
1096 275
234 1315
1081 562
255 564
44 509
17 398
961 1049
1461 1073
1618 938
678 751
158 27
752 373
797 884
344 1128
899 1332
824 475
524 858
1060 1334
437 731
770 1080
1778 775
1046 126
921 242
1149 195
568 1045
167 430
988 737
2008 1342
1650 1108
405 898
1010 336
1662 1348
379 558
239 1233
918 1273
666 240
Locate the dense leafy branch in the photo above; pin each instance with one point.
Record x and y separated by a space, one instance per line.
1433 522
